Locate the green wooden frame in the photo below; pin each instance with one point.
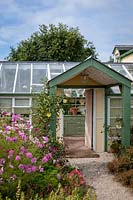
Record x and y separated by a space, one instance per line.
121 80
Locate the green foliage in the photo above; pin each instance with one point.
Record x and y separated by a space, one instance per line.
53 43
45 106
55 195
122 167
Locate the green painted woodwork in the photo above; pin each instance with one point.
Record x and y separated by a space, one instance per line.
86 64
126 115
74 125
52 92
106 120
126 53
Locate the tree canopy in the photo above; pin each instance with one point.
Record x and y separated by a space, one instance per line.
53 43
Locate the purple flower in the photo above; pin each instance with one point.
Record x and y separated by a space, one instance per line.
1 170
34 168
45 139
33 160
41 169
40 145
28 168
15 118
2 161
23 150
10 153
14 177
21 166
29 155
22 135
9 139
14 139
18 157
47 157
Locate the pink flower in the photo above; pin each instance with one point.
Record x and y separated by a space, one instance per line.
10 153
28 155
11 166
15 118
14 177
40 145
14 139
47 157
21 166
28 168
2 161
9 139
33 160
18 157
45 139
22 135
34 168
23 150
1 170
36 129
41 169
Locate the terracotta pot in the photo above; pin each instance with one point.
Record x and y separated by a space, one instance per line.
73 110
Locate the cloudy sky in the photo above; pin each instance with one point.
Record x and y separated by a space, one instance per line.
104 22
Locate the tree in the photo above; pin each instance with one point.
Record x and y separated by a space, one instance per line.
53 43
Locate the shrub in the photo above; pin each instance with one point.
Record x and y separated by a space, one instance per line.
38 163
122 167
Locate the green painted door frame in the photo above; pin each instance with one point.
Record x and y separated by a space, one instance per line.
126 115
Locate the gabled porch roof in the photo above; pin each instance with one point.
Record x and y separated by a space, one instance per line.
97 73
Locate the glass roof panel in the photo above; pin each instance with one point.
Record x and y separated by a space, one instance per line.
56 68
119 68
7 76
69 65
39 73
23 78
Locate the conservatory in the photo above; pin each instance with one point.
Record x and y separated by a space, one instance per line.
101 87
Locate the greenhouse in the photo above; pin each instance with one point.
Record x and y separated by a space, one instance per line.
19 80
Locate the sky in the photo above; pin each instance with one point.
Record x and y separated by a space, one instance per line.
106 23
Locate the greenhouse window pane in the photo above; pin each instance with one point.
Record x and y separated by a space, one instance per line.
22 102
37 88
39 73
115 102
120 69
7 76
22 111
5 102
70 65
23 78
116 112
56 68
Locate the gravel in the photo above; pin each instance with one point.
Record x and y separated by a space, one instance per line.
96 174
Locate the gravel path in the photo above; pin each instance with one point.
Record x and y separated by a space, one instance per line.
96 174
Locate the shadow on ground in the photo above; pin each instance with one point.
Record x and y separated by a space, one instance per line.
75 148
